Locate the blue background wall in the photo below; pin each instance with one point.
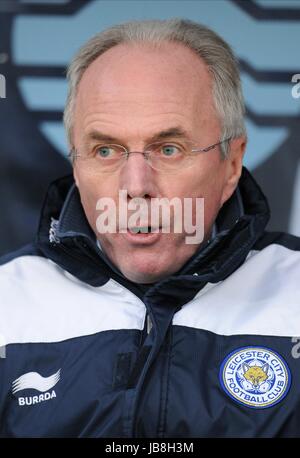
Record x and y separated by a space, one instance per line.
38 39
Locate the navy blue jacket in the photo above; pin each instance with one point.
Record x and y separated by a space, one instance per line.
211 351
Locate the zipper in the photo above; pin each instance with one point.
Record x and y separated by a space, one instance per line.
146 330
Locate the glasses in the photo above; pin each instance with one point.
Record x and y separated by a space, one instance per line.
161 156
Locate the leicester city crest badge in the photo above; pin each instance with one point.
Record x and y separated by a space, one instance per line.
256 377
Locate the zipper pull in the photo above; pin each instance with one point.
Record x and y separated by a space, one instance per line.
149 324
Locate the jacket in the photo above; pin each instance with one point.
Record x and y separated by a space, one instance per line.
211 351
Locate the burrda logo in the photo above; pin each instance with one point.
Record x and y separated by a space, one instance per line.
35 381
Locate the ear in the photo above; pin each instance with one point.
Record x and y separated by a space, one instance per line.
233 166
75 175
245 367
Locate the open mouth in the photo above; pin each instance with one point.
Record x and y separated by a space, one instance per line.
142 229
142 235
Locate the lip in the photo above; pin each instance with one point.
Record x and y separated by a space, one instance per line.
142 238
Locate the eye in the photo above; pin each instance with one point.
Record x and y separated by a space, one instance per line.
105 151
170 150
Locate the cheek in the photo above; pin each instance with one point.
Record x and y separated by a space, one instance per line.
204 180
91 189
89 202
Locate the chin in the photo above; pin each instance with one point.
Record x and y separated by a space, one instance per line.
144 274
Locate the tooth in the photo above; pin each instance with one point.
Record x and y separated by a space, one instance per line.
136 230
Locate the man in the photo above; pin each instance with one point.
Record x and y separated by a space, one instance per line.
137 332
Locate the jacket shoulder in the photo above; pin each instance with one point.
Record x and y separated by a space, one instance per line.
26 250
289 241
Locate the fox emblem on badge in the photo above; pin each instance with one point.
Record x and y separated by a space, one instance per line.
256 375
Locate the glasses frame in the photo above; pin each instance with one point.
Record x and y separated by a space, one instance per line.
73 153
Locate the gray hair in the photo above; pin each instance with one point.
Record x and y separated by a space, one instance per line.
215 52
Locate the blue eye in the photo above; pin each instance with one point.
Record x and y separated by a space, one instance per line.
105 151
169 150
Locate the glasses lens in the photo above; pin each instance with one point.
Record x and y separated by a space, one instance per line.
107 158
168 156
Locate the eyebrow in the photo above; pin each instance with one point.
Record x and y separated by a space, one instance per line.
172 132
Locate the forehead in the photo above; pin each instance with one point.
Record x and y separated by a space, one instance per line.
141 81
145 68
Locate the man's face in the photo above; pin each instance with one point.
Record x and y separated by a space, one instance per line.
131 94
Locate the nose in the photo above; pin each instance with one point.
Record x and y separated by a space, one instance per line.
137 176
